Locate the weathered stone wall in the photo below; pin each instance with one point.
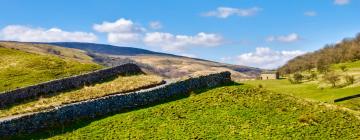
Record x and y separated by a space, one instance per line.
106 105
31 92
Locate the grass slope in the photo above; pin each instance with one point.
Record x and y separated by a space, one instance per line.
20 69
312 91
307 90
45 49
353 104
120 84
229 112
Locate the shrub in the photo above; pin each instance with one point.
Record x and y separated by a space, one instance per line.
313 76
350 79
343 68
298 77
291 80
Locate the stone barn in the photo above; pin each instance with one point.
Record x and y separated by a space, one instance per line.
269 76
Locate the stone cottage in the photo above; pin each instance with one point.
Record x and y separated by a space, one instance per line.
269 76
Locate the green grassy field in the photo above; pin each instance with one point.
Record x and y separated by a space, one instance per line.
311 91
353 104
19 68
228 112
307 90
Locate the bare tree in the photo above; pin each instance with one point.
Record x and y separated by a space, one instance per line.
332 78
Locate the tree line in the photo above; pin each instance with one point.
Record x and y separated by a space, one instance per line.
346 51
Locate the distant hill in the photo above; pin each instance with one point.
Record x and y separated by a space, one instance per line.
45 49
106 49
347 50
167 65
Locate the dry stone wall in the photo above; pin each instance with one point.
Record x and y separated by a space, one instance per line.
106 105
31 92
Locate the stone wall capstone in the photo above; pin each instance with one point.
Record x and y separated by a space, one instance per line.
35 91
30 123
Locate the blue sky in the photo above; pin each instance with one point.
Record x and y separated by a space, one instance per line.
248 32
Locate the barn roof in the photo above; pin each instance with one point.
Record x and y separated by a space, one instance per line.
269 72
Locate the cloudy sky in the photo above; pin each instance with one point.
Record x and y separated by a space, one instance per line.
256 33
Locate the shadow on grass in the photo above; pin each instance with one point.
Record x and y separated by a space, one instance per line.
82 123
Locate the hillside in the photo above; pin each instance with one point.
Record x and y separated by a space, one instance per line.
228 112
19 67
347 50
106 49
44 49
231 111
167 65
175 67
318 87
324 75
311 91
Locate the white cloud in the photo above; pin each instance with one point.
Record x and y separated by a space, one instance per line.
122 31
310 13
266 58
224 12
170 42
155 25
123 38
119 26
293 37
29 34
341 2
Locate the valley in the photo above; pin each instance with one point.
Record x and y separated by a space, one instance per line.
255 109
180 70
